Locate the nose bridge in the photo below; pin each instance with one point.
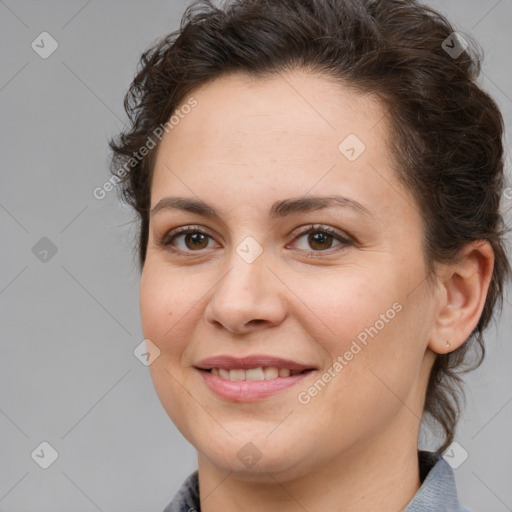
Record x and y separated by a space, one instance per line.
248 290
247 265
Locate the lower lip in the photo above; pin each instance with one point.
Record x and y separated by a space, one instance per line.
249 390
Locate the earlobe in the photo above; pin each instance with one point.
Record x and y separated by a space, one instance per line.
438 347
464 286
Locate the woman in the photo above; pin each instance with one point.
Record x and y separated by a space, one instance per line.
318 184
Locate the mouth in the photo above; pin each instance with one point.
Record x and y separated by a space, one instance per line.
255 374
251 378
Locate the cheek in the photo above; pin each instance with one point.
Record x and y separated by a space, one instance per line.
365 325
154 305
171 308
164 304
344 307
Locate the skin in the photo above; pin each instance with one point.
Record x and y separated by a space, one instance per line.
247 144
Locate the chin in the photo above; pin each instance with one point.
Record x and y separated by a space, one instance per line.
254 458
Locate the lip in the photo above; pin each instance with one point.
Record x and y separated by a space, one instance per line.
255 361
248 390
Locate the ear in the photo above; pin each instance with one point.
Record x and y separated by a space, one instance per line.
462 293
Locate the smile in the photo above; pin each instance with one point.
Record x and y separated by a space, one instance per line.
238 385
260 373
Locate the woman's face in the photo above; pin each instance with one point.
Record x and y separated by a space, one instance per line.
349 305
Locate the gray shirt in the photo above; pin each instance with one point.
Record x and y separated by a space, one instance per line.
437 491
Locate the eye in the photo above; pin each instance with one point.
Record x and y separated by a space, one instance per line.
194 239
321 238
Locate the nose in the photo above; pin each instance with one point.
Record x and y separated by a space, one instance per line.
249 296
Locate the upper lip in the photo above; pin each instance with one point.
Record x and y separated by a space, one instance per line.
248 362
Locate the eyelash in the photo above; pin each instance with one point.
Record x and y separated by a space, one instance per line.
165 242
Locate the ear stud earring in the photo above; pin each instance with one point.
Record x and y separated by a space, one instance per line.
447 344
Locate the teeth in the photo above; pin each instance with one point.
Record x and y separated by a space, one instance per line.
254 374
270 372
236 374
223 373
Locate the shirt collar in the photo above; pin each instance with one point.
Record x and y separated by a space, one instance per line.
437 491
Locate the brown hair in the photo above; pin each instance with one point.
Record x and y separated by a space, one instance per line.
446 132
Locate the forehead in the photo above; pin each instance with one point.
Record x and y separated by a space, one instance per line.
275 137
296 102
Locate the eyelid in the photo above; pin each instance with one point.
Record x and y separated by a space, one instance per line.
303 230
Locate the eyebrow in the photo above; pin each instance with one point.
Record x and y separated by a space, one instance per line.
279 209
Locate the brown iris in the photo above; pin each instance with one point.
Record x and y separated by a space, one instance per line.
320 238
196 240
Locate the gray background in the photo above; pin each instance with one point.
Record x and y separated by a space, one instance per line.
69 325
